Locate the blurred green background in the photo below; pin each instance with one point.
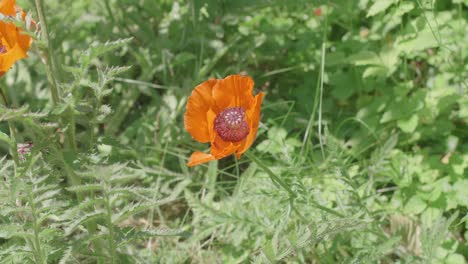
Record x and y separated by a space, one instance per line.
365 118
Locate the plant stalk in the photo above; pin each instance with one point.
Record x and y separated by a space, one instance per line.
13 145
39 254
112 247
52 74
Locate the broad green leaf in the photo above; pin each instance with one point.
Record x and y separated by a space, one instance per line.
403 8
365 58
408 125
375 72
461 189
379 6
277 134
415 205
389 58
455 258
343 85
423 40
336 58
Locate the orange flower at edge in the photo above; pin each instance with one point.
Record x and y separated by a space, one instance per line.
13 43
225 113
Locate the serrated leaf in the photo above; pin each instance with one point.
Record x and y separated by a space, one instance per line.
84 107
9 231
47 196
7 114
433 235
116 70
130 210
86 188
133 191
128 234
5 138
105 110
99 49
269 252
59 109
82 220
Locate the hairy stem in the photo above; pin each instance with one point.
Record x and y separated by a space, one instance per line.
13 145
39 254
93 125
306 142
112 248
71 129
52 74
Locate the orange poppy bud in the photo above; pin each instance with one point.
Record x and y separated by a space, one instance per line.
14 44
225 113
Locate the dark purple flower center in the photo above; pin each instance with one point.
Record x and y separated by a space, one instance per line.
230 124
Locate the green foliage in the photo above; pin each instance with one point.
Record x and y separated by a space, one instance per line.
361 154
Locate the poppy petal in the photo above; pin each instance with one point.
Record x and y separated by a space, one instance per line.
210 117
199 158
13 42
17 45
198 105
10 57
24 41
254 118
221 148
7 7
233 91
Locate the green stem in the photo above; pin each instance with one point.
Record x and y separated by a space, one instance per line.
13 145
112 248
72 130
52 74
39 253
306 140
4 98
93 125
72 177
109 11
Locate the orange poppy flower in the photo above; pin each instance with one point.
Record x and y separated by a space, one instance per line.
225 113
13 43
